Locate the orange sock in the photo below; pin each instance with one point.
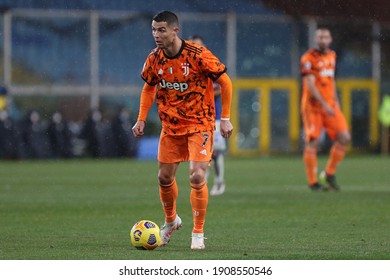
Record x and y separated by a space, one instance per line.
337 153
168 195
199 198
310 160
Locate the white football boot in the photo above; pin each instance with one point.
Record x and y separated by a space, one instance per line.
197 242
218 189
167 229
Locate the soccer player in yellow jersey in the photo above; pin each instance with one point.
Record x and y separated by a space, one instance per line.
177 74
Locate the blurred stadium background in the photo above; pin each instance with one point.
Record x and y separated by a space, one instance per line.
82 59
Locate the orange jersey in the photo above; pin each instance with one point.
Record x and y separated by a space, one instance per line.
322 66
185 95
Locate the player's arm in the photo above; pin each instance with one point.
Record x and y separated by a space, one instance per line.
147 98
226 98
310 81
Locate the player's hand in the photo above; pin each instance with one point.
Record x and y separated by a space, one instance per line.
226 128
138 128
328 109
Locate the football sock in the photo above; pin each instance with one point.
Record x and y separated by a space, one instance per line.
168 195
337 153
207 173
199 198
219 168
310 160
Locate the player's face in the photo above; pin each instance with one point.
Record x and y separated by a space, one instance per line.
323 39
163 34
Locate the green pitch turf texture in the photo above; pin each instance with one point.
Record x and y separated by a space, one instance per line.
84 209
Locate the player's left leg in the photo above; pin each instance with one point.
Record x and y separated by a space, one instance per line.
337 152
200 146
199 200
338 131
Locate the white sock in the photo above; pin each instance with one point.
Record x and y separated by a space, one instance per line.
219 168
207 173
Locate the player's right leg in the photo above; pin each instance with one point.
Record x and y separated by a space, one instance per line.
313 127
168 196
172 151
310 161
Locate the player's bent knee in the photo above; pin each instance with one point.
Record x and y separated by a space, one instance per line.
344 138
197 177
313 143
345 141
165 179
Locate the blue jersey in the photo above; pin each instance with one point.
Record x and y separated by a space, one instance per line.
218 102
218 107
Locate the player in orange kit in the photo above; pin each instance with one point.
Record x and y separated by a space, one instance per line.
177 74
320 109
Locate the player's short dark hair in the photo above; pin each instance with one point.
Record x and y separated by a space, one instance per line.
196 37
321 27
168 17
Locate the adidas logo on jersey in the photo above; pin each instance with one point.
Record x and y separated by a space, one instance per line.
175 85
203 152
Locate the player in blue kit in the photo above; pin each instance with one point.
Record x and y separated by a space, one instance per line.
219 142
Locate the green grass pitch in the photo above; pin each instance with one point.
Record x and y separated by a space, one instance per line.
84 209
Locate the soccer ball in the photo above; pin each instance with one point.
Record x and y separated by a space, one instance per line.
145 235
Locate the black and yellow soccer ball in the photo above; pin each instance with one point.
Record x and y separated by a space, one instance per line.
145 235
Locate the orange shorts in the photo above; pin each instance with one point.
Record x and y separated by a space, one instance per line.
315 120
196 146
